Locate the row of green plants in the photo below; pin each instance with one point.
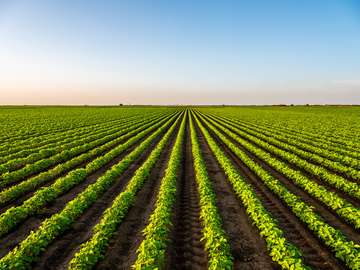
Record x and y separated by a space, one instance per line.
216 241
18 163
316 154
31 128
33 122
345 250
59 153
30 169
33 168
28 147
152 249
324 149
317 138
29 250
92 250
36 181
281 251
40 124
343 141
337 181
45 195
347 158
17 129
332 200
38 144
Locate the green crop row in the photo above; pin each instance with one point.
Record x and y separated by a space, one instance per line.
43 128
30 184
56 154
281 251
27 147
335 166
321 149
35 122
152 249
340 206
92 250
80 147
45 195
343 249
29 249
319 138
38 144
27 128
337 181
214 234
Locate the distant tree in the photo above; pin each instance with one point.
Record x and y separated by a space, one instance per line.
120 104
307 105
292 105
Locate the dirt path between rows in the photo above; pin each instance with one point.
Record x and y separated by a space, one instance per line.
186 251
315 253
122 251
19 201
60 252
321 209
247 247
51 257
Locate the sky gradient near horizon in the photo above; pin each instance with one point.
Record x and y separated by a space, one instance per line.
179 52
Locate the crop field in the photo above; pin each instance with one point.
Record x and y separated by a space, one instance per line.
135 187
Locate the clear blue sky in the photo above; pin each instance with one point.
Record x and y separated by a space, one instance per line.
180 52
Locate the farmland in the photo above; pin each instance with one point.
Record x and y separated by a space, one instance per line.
179 187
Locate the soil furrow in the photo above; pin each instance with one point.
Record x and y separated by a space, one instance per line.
315 253
121 254
19 201
60 252
247 247
186 251
307 160
314 178
321 209
354 201
20 232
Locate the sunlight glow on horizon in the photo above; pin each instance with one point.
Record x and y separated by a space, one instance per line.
241 52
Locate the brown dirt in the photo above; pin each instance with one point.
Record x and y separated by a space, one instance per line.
316 254
247 247
122 251
60 252
20 232
19 201
321 209
185 250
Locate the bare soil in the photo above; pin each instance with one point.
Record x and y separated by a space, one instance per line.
185 249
